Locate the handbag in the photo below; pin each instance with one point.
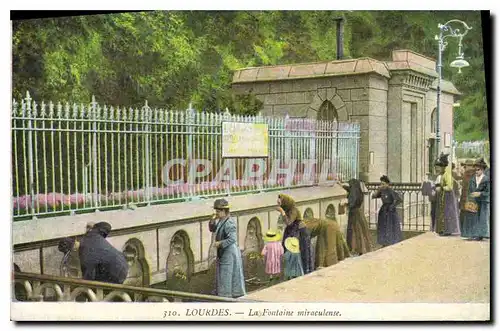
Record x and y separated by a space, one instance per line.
471 207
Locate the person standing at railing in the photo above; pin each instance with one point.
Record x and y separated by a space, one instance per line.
99 260
446 202
295 227
230 281
358 237
477 206
388 223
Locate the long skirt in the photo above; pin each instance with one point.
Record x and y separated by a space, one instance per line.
229 273
447 213
476 224
358 237
388 226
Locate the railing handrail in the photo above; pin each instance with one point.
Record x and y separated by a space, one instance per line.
120 287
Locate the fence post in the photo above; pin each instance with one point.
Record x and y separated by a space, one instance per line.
94 152
226 118
146 116
190 121
30 153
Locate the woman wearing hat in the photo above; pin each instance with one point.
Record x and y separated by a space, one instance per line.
272 252
293 262
295 227
229 274
477 206
388 223
446 203
358 237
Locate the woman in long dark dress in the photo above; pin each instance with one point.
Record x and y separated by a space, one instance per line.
476 224
446 203
358 237
389 222
295 227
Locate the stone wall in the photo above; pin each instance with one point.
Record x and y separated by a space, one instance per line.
176 233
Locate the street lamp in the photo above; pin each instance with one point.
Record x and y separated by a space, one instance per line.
459 63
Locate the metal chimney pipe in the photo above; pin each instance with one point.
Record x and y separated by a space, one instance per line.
340 39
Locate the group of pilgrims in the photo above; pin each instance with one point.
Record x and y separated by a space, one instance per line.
459 205
460 199
289 254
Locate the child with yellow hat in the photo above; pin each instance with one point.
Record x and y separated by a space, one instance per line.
272 252
293 262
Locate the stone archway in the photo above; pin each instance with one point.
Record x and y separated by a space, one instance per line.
330 213
327 98
308 214
139 272
180 262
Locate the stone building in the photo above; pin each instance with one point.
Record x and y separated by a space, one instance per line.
394 102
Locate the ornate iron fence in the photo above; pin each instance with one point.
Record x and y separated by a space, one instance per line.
415 210
35 287
88 157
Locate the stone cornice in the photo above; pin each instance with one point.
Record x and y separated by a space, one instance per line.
311 70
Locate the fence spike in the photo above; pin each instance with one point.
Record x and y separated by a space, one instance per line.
59 110
67 109
14 107
105 112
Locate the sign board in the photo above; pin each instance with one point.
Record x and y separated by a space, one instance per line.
249 140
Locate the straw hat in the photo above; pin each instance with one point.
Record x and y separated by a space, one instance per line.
292 245
272 236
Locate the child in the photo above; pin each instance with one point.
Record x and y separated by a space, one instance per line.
293 263
272 252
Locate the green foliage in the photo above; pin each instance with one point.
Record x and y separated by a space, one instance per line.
173 58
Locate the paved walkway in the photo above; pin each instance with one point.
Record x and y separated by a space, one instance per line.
423 269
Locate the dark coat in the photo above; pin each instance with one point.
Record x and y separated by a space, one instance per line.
100 261
297 229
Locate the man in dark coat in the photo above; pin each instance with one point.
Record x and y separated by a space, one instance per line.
100 261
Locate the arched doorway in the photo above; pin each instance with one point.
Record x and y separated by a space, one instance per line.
327 112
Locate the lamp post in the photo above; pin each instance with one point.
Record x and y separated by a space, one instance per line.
445 31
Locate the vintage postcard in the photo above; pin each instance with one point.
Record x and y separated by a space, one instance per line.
250 166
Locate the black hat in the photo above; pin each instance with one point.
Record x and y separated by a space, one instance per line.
442 161
65 245
480 163
104 228
385 179
221 204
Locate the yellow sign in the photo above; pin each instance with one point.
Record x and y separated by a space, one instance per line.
245 140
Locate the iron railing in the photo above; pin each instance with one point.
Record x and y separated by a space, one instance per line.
87 157
415 210
35 287
472 149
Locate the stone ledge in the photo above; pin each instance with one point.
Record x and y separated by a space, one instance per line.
65 226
